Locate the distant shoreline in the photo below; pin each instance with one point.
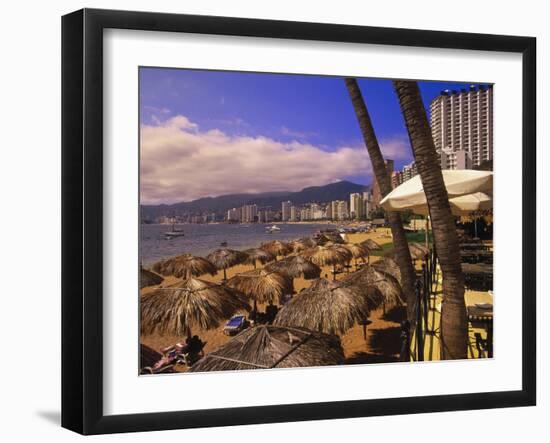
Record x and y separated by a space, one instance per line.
308 222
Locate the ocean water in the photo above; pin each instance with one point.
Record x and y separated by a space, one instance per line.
203 239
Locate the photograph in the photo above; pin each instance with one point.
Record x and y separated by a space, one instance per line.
267 221
298 220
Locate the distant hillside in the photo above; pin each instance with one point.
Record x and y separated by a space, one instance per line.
332 191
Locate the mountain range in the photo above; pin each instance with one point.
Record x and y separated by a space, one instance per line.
333 191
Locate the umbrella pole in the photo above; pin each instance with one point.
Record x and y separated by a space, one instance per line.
365 330
224 274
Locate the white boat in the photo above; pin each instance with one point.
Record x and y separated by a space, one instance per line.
174 233
272 229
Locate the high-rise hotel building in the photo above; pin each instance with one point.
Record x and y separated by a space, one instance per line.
285 210
462 126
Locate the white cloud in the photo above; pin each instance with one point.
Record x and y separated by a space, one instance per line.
156 110
297 134
181 163
396 148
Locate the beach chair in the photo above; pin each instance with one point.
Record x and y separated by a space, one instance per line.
235 325
164 365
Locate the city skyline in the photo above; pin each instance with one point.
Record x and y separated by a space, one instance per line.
206 133
356 206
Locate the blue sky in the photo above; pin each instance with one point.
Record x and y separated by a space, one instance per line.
291 110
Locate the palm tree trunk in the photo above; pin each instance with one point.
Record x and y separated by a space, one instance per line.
402 252
454 327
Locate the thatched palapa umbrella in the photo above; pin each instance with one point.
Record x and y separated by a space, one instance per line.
423 250
371 244
148 278
185 266
258 254
379 288
357 251
261 285
264 347
302 244
225 258
277 247
177 309
418 251
325 307
389 266
295 266
330 254
329 237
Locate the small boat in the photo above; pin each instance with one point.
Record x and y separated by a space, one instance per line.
272 229
174 233
223 244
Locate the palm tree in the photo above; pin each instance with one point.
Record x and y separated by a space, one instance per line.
402 253
454 328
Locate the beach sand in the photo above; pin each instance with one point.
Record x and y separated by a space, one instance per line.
383 333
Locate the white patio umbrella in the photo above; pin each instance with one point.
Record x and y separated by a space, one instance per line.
463 205
468 190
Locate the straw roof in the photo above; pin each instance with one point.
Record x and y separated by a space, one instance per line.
225 258
277 247
418 251
326 237
191 303
371 244
295 266
302 244
330 254
148 278
325 306
258 254
378 287
357 250
262 285
389 266
420 247
263 347
184 266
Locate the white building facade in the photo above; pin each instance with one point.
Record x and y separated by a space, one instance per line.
285 210
462 122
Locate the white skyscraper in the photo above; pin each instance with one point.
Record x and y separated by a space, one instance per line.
356 206
285 212
463 121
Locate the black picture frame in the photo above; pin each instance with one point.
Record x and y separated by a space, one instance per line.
82 218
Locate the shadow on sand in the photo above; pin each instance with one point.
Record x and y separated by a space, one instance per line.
384 345
396 315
